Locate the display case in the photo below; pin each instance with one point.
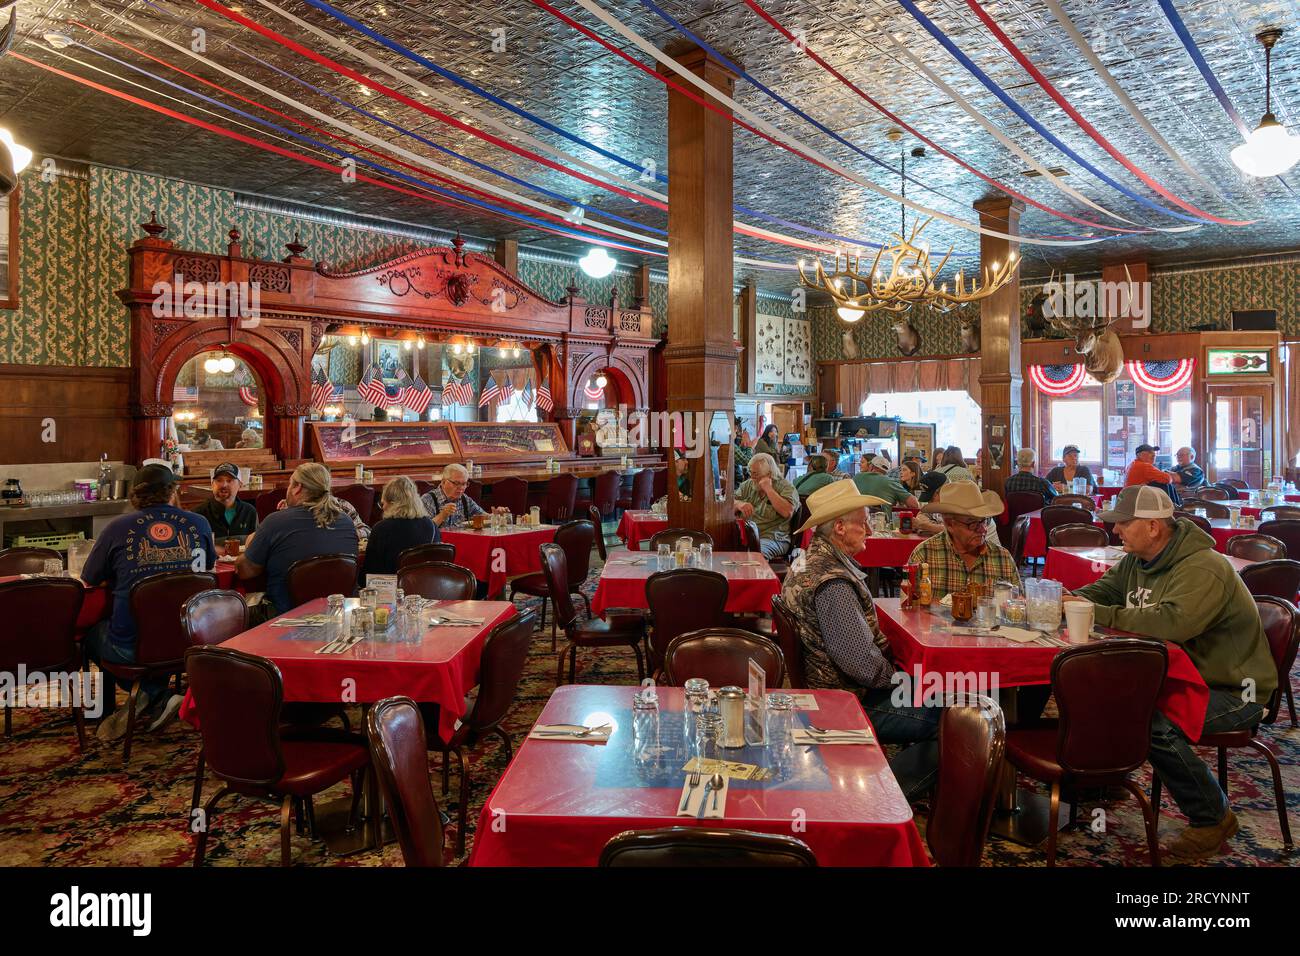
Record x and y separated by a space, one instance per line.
502 441
384 443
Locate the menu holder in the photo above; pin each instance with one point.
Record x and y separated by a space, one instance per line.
756 712
385 586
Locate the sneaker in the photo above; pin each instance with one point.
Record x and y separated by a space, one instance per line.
167 712
1200 843
113 727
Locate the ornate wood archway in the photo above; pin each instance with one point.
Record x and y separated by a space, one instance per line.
180 305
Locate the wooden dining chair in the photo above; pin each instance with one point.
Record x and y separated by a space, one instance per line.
1083 501
1099 739
438 581
721 655
268 501
1286 530
320 576
787 633
1282 631
434 551
1202 523
593 513
240 697
681 600
511 493
361 497
700 847
1211 493
669 537
1279 512
576 538
1212 509
501 667
1077 536
619 627
15 561
561 498
40 636
400 758
972 746
1254 547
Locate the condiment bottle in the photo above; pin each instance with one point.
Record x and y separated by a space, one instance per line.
924 590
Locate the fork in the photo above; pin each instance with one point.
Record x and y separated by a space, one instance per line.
692 782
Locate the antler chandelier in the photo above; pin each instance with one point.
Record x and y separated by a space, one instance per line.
911 280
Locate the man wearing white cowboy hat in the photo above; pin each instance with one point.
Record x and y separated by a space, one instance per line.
963 554
843 646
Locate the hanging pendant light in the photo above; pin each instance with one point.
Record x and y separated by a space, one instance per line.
1269 150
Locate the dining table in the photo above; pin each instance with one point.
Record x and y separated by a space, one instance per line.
561 800
637 526
495 556
440 667
751 584
934 659
1079 567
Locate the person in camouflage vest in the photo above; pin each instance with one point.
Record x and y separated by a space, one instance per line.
843 646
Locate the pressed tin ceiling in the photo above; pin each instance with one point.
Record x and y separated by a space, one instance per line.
566 79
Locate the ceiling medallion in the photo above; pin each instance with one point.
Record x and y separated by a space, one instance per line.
911 280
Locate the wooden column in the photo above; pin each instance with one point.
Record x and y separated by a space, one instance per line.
700 358
748 337
1000 374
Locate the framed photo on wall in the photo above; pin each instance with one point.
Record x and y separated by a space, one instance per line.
9 250
390 356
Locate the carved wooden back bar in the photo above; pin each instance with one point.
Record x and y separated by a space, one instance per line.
437 292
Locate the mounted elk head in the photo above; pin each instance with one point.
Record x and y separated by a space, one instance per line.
909 339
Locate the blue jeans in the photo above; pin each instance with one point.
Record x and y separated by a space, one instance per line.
915 727
98 646
1186 777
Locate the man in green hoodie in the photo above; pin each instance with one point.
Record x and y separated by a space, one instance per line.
1174 586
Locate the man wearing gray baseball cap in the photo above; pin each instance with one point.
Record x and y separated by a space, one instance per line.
1172 585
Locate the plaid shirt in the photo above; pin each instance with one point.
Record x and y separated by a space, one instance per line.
466 507
948 572
1028 481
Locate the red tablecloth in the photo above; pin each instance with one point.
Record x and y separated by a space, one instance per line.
750 581
888 551
920 645
1036 537
496 556
637 526
441 669
1077 567
559 803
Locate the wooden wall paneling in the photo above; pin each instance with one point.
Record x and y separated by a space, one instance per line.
87 406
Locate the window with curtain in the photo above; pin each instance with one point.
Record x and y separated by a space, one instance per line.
954 413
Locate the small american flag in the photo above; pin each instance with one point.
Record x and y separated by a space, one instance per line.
507 390
489 394
395 395
544 397
371 387
184 393
418 395
322 390
529 396
457 392
248 396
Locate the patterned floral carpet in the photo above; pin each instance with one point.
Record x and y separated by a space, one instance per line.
59 807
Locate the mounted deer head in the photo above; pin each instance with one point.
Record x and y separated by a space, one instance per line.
849 344
970 333
1102 350
909 339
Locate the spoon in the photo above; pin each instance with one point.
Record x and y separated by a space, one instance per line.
716 783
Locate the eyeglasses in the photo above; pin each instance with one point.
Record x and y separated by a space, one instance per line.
458 484
970 524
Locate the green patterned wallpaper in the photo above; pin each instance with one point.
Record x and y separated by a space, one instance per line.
1179 302
74 233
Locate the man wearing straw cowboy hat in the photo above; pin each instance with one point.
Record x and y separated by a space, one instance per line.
962 553
843 646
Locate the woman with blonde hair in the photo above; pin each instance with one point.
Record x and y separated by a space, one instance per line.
312 523
406 524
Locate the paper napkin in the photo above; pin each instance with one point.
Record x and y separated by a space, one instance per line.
700 801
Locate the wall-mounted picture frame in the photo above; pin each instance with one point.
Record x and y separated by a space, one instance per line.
389 355
9 250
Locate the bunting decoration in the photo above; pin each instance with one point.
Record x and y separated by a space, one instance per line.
1162 377
248 396
1058 380
395 395
371 387
593 394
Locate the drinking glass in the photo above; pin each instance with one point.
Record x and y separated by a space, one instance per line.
780 719
665 557
706 555
708 737
363 623
986 612
1043 605
52 568
693 558
369 598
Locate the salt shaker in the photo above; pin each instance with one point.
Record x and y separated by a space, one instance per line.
731 702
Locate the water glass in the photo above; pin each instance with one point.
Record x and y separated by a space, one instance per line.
696 703
645 721
708 737
986 612
363 624
1043 605
52 568
780 720
369 598
665 556
693 558
706 555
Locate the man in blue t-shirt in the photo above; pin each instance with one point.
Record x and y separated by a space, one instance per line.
311 523
1187 473
157 537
